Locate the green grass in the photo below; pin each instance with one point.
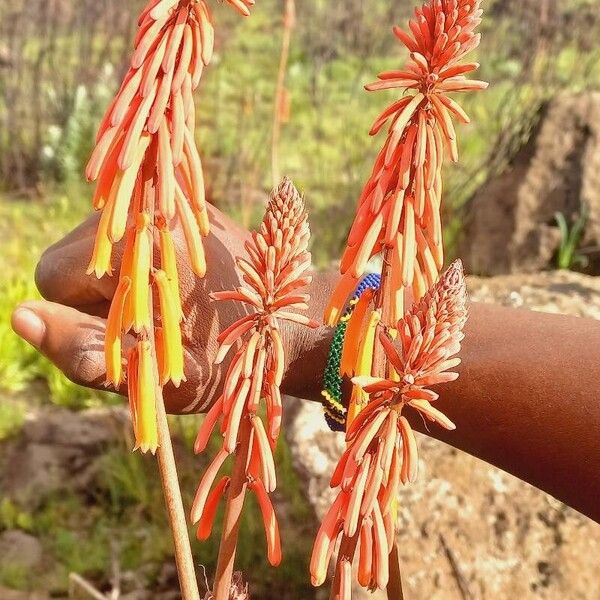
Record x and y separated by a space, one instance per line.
26 229
14 576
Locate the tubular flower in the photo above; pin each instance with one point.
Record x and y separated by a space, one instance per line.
273 276
382 449
148 175
399 208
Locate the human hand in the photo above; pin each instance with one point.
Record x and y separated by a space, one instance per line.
68 326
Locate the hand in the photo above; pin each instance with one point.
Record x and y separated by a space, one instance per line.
68 326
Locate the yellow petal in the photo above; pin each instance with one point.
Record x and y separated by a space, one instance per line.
364 366
169 264
146 431
171 332
112 342
140 274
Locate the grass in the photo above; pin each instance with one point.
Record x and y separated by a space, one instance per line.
26 229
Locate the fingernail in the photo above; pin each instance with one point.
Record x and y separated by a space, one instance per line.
29 326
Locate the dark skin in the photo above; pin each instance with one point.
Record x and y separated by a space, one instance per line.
526 399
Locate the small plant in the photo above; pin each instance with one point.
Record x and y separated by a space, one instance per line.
568 257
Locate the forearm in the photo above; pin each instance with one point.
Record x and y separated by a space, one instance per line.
526 399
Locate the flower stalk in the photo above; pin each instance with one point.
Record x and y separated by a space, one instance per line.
406 340
273 276
149 177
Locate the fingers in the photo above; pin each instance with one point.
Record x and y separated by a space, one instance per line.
72 340
61 272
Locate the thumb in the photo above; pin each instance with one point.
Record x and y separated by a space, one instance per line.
72 340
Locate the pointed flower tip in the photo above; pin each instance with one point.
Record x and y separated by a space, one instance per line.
454 277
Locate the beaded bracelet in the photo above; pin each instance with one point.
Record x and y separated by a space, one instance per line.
334 406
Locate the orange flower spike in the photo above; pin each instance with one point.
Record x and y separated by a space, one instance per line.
272 277
409 165
382 449
114 326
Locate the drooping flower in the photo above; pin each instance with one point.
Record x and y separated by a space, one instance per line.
382 449
148 175
398 211
274 274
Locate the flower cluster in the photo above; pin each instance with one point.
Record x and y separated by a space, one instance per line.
273 274
399 208
148 175
382 449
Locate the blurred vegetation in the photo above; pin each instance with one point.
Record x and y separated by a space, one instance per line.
60 61
55 83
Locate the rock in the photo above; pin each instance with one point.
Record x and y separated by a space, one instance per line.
18 548
464 520
562 292
510 224
6 594
56 446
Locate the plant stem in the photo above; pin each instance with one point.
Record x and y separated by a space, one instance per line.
174 503
168 468
394 587
233 513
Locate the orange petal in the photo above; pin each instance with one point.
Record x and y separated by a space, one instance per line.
210 509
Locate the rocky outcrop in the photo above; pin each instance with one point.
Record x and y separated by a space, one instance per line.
510 223
468 530
58 450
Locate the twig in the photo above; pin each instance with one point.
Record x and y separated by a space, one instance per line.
233 513
115 567
461 580
76 582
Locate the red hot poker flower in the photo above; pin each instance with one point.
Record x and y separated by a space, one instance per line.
399 208
382 449
148 173
273 275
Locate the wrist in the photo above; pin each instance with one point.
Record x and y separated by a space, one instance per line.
307 349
